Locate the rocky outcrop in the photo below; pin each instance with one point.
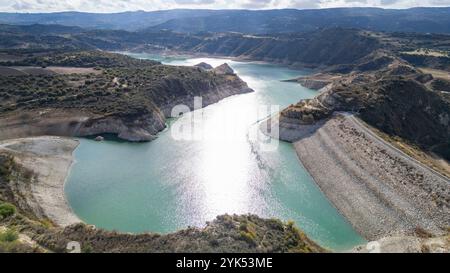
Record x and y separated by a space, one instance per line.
305 112
406 244
99 138
135 129
393 99
204 66
317 81
77 124
313 83
224 69
378 60
232 85
436 62
441 85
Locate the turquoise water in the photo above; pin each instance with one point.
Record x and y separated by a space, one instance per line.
173 182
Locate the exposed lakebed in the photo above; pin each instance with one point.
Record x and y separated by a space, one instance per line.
170 184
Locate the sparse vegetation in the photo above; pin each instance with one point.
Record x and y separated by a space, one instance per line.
126 86
428 52
10 243
422 233
222 235
130 95
6 166
441 85
6 210
248 232
391 99
95 59
8 236
6 163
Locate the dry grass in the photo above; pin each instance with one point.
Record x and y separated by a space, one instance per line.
74 70
439 74
33 70
8 71
427 52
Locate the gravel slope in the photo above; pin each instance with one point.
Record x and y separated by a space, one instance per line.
380 190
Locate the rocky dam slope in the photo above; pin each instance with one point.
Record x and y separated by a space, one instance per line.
382 191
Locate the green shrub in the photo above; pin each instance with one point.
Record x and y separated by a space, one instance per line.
248 237
16 247
248 232
276 224
87 249
243 226
9 236
5 166
291 224
6 210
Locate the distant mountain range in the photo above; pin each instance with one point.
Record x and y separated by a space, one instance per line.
423 20
323 47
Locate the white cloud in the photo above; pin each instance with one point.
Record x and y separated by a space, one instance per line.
123 5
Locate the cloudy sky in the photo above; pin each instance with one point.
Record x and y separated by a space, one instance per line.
126 5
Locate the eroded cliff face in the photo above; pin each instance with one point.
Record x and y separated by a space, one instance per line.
136 129
61 122
209 92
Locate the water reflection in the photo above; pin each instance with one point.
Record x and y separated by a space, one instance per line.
172 183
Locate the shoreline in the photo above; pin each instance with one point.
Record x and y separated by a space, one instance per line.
381 192
48 195
49 159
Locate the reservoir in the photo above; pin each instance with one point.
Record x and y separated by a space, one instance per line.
171 183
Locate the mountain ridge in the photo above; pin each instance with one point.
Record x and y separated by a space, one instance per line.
433 19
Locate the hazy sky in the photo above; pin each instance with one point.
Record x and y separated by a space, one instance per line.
125 5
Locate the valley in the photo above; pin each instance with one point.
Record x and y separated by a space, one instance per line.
87 137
